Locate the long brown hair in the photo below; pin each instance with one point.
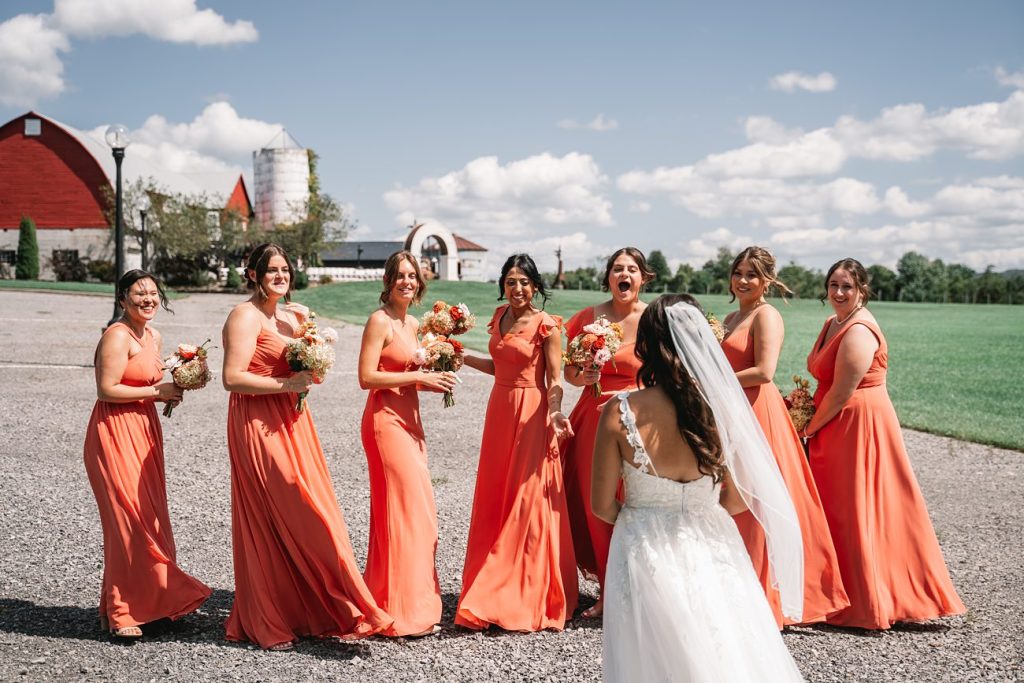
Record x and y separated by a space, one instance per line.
763 263
391 267
662 367
259 261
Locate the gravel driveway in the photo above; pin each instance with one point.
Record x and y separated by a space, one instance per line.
50 539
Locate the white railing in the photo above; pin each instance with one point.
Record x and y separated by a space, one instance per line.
345 274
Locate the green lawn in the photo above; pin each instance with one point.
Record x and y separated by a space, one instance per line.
954 369
90 287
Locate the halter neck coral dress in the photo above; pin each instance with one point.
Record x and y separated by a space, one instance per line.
400 567
891 563
124 458
591 536
823 587
295 573
520 573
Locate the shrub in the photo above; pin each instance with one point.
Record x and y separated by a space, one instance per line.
26 265
67 267
234 279
326 279
301 280
101 269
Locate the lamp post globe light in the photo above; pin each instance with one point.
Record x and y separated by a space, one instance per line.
117 138
144 205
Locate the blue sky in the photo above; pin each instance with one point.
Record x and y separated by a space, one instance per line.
819 130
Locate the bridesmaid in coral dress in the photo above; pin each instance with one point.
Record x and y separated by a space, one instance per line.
520 573
752 345
625 274
124 458
295 573
400 570
891 563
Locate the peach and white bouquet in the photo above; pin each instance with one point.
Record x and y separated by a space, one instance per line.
800 403
313 350
594 346
717 328
440 354
444 320
189 369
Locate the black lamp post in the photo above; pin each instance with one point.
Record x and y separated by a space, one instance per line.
143 208
359 256
117 138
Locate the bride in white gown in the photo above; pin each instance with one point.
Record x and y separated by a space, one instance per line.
682 601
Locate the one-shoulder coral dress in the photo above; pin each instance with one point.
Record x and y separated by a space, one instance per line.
823 587
400 568
520 573
124 458
889 557
590 535
295 572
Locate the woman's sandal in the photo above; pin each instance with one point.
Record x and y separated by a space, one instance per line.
432 631
127 632
283 647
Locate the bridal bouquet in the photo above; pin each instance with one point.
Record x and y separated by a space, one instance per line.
439 351
445 320
440 354
593 347
312 349
716 326
800 403
189 369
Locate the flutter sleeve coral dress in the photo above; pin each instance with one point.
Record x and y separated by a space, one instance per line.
400 567
295 572
520 573
890 560
590 535
823 586
124 458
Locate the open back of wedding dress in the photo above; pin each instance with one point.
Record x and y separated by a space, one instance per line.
682 601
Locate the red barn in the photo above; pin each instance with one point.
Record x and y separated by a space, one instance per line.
61 177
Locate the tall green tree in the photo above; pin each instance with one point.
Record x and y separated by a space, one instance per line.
719 270
680 282
883 283
914 277
662 273
962 283
805 283
26 266
991 287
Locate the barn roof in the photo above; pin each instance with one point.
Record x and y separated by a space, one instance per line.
372 251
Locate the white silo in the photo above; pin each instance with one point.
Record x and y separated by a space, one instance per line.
281 170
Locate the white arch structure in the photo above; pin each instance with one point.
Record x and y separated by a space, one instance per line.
448 266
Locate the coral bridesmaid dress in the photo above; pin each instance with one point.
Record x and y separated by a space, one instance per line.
891 563
400 570
823 586
520 573
295 573
590 535
124 457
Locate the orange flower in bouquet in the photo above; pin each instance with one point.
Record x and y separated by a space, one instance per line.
593 347
312 349
800 403
189 369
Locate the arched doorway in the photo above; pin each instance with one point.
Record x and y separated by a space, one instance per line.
435 245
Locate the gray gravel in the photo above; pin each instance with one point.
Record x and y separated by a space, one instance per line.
50 540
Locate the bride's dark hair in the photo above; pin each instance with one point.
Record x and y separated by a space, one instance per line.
662 367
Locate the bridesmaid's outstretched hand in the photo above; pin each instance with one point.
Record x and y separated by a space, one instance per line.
299 382
168 391
560 423
437 381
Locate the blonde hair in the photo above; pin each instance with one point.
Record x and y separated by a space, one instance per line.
763 263
391 267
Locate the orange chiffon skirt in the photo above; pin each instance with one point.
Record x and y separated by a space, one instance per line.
823 586
400 568
889 556
295 572
520 571
124 459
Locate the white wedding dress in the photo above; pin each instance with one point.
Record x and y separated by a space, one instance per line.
682 602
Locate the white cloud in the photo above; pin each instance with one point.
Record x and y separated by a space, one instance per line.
767 129
175 21
599 124
1010 80
217 139
525 197
30 44
791 81
899 204
699 250
640 207
30 64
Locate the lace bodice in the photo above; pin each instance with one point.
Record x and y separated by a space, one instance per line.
645 489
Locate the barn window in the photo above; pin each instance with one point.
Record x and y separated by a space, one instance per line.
33 127
8 256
